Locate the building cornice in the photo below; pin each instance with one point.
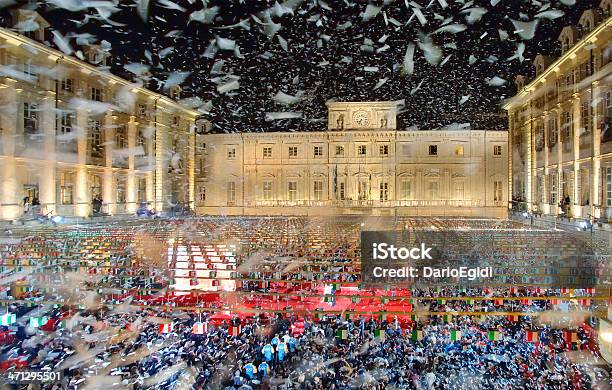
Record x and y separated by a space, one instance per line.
569 55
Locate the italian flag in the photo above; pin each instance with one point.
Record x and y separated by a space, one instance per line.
342 334
233 330
35 322
570 336
455 335
441 301
494 335
165 328
555 301
349 316
470 301
199 328
512 317
526 302
384 300
499 302
414 317
417 335
532 337
565 290
355 299
447 318
380 334
585 302
8 319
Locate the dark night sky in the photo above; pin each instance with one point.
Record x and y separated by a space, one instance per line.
325 57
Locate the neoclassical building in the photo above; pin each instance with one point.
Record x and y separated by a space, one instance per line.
361 165
560 124
70 130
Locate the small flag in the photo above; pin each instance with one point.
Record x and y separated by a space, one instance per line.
441 301
494 335
199 328
414 317
455 335
531 336
447 318
585 302
165 328
8 319
384 300
349 316
570 336
36 322
417 335
380 334
499 302
342 334
233 330
513 317
355 299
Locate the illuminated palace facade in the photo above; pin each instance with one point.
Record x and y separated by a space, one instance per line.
361 165
560 124
70 131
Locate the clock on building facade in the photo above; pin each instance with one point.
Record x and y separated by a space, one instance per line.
361 118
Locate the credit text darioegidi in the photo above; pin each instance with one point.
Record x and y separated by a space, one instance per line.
431 272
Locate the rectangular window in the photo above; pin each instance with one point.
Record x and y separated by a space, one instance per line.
459 190
362 190
433 150
96 94
384 191
608 108
292 190
552 131
66 187
497 191
30 70
318 189
361 150
141 194
293 151
585 186
66 84
552 189
96 185
342 190
120 138
566 131
497 150
433 189
120 190
585 116
609 186
202 194
318 151
406 189
142 110
459 150
141 143
30 118
267 152
65 123
95 138
231 192
339 150
231 153
383 150
267 190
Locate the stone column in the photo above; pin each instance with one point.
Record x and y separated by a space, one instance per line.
108 182
596 152
10 208
575 203
190 165
160 166
48 174
130 195
82 196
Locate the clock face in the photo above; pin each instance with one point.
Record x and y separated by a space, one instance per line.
361 118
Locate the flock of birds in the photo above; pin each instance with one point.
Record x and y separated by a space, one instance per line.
270 65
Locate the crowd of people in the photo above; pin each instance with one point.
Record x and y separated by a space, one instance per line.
111 328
